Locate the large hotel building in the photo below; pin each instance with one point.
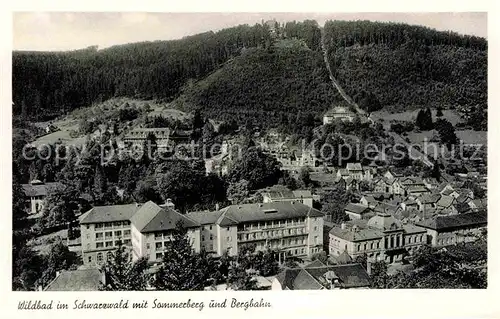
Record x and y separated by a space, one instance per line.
291 227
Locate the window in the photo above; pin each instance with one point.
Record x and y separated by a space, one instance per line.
90 259
88 246
202 238
109 256
211 237
228 229
99 245
159 255
315 228
127 242
109 244
118 233
98 226
229 238
108 224
88 227
98 235
158 245
99 257
202 227
108 234
126 233
117 224
118 242
88 236
210 227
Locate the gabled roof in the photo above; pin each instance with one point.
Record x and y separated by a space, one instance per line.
204 218
445 201
348 276
356 235
429 198
316 263
76 280
111 213
267 211
356 208
287 194
478 219
151 217
37 188
344 258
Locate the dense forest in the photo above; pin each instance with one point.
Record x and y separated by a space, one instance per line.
407 67
263 69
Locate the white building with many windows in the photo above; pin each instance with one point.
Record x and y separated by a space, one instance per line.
290 227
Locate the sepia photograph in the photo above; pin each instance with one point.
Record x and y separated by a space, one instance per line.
168 151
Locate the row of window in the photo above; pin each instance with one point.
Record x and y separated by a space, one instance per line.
163 235
272 233
272 223
108 244
100 257
109 234
111 224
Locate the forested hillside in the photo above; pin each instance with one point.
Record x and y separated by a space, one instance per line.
407 66
263 70
51 83
281 85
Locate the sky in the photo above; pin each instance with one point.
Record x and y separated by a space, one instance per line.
55 31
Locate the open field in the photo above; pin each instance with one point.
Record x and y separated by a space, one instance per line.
473 137
410 116
70 122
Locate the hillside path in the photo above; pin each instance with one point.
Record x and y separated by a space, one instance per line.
414 153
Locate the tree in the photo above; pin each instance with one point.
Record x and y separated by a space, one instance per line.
239 191
19 209
259 169
446 132
124 275
439 111
443 268
333 204
305 176
424 120
181 268
239 278
61 205
58 258
379 275
28 269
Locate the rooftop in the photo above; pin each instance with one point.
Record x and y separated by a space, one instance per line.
348 276
76 280
266 211
38 188
102 214
478 219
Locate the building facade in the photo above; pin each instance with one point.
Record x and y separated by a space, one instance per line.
453 229
147 230
382 238
291 227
